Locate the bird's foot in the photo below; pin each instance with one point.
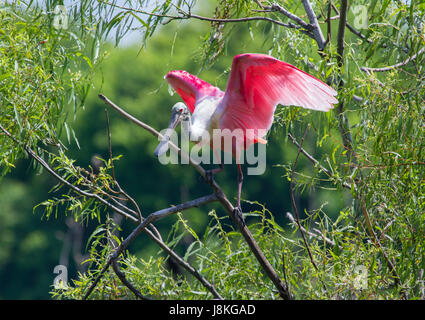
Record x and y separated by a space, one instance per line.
239 215
209 175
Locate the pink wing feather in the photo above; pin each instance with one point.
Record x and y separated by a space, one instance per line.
258 82
191 88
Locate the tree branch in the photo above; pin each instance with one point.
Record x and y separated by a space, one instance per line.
142 227
124 280
222 198
162 214
344 126
145 223
341 31
41 161
188 15
317 32
328 23
277 8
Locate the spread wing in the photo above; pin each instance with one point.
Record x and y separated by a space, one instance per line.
258 82
190 88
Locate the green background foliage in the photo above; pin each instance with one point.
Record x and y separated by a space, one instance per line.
46 101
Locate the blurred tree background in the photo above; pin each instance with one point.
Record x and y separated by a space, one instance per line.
386 122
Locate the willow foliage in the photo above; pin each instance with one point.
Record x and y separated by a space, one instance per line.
371 147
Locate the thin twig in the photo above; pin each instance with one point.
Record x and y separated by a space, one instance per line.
378 244
284 270
96 280
385 166
294 205
187 266
120 274
395 66
41 161
110 145
315 162
125 194
127 283
188 15
311 234
374 79
245 19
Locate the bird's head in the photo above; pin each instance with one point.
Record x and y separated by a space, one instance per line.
179 112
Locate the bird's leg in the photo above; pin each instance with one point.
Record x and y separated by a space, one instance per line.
238 208
240 180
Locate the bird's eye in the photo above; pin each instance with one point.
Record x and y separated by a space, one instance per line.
181 110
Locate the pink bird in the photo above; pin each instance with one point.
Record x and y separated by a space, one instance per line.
256 85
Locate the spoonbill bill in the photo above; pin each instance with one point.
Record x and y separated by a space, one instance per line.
256 85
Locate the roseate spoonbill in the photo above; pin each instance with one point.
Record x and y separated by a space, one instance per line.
256 85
